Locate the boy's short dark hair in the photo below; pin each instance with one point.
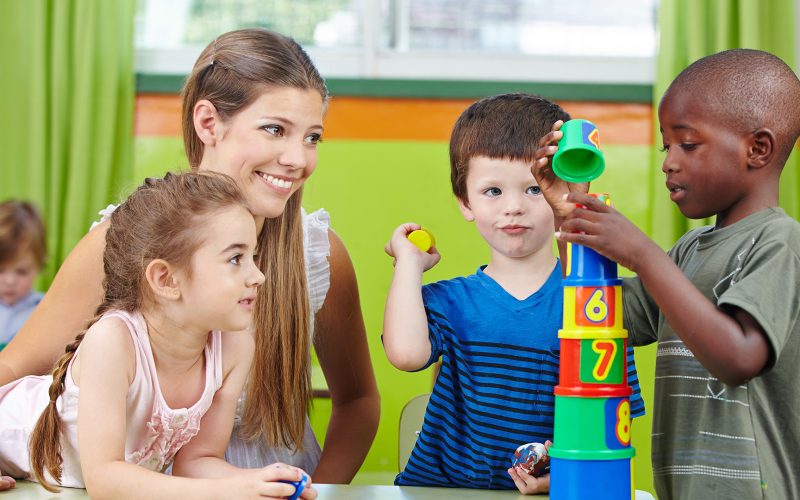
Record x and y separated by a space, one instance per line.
748 89
506 126
21 230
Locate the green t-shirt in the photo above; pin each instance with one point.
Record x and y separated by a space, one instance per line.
711 440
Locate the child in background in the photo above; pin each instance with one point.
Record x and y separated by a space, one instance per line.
130 393
496 331
22 254
724 303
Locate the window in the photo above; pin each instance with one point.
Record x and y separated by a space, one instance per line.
612 41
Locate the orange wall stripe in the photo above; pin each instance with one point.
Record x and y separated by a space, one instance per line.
157 115
408 119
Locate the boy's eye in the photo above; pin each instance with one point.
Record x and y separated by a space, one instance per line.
275 130
313 139
492 192
534 190
236 259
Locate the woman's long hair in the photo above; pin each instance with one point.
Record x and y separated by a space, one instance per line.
233 71
160 220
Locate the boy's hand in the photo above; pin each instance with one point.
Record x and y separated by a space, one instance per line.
528 484
602 228
553 187
403 250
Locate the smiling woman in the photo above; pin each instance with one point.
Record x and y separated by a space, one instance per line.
270 146
253 108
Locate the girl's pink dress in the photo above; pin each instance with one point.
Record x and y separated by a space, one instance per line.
155 432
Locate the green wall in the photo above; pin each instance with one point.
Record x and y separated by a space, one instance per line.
370 187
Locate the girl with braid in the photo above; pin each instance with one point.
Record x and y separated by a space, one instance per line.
128 397
253 108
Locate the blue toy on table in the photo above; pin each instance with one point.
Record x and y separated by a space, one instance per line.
299 486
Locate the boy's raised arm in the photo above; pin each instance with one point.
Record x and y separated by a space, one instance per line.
405 324
731 345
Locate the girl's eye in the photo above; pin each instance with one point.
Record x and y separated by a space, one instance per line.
275 130
664 148
492 192
236 259
313 139
534 190
688 146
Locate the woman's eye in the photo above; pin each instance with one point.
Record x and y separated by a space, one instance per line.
313 138
275 130
492 192
534 190
236 259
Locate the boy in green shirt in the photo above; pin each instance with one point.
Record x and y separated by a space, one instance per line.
724 303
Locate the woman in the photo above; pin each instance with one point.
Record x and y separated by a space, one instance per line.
252 109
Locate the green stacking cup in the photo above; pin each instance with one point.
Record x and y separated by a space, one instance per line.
579 158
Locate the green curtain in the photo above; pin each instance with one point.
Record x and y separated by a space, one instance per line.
691 29
68 90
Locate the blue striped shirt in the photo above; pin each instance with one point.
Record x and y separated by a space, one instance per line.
500 358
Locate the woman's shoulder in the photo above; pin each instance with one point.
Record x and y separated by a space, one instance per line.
104 214
316 238
315 232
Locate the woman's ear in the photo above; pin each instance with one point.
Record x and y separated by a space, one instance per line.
465 210
206 118
161 278
761 150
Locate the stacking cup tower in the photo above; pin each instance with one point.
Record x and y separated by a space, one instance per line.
591 452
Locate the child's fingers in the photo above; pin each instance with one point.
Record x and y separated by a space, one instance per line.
7 482
526 484
576 228
520 484
541 158
580 213
540 170
309 493
551 137
407 228
587 201
276 489
280 472
399 234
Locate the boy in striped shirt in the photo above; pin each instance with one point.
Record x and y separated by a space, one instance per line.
495 331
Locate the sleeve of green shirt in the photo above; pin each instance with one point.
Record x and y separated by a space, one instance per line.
641 313
767 288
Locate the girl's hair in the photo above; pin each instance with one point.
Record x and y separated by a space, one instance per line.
160 220
231 73
21 230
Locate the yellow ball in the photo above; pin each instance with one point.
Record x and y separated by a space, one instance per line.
422 239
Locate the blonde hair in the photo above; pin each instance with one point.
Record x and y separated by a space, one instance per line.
160 220
233 71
